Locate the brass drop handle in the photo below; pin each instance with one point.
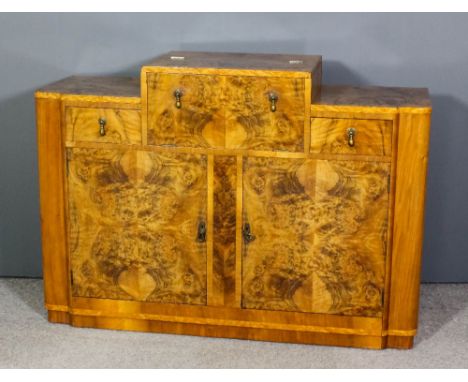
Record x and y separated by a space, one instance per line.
201 234
273 99
248 237
178 96
102 127
351 134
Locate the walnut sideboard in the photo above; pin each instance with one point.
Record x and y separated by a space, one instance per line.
234 195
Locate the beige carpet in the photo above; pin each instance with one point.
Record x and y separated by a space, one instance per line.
27 340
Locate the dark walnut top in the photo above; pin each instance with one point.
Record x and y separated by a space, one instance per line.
286 62
374 96
96 86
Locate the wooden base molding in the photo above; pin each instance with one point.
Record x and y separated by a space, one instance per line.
294 334
400 342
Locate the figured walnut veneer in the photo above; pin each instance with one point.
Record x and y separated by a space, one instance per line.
204 208
224 230
372 137
250 123
197 123
121 125
320 230
226 112
133 220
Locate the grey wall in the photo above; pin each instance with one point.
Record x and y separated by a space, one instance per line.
420 50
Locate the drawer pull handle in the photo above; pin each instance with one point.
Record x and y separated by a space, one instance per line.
201 234
351 134
102 127
178 96
248 237
273 99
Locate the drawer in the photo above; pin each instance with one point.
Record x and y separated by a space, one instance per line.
351 136
107 125
225 111
265 113
185 110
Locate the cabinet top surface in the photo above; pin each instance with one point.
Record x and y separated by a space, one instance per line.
282 62
96 86
378 96
330 95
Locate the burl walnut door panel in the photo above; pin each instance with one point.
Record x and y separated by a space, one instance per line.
134 219
185 110
224 230
250 121
319 235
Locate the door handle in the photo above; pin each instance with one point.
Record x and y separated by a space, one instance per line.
247 234
178 96
102 126
273 99
351 134
201 234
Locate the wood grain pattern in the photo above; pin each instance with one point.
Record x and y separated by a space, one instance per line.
399 342
239 221
232 316
110 86
408 228
199 120
224 232
372 137
316 87
370 342
225 322
226 111
121 125
323 219
52 201
237 152
250 124
58 317
320 230
134 217
374 96
226 61
391 213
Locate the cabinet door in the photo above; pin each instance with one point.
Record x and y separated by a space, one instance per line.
318 235
185 110
134 225
251 123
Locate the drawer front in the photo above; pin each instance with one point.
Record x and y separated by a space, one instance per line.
265 113
351 136
105 125
184 110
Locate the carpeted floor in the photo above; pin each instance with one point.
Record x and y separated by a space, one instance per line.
27 340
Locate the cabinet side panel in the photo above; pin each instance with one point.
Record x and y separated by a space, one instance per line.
413 141
52 200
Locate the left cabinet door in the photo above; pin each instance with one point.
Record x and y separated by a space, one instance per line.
137 225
